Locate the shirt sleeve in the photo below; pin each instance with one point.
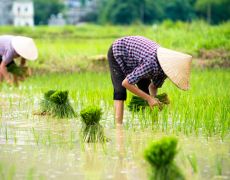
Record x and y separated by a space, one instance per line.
140 72
159 80
8 56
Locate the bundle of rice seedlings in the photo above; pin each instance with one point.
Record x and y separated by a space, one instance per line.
137 103
92 131
163 98
160 155
46 104
57 104
17 70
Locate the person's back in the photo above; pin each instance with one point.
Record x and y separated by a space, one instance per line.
7 52
132 51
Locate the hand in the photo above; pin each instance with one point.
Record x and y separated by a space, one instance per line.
10 82
154 102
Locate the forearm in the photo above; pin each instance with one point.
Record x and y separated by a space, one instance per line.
135 90
4 73
151 100
1 77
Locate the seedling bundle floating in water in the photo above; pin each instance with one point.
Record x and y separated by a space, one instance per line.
57 104
160 155
137 103
92 131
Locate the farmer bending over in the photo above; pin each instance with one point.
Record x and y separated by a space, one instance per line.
12 47
141 66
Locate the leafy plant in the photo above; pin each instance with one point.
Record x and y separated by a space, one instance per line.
92 131
160 155
48 94
17 70
91 115
59 97
162 152
57 104
193 162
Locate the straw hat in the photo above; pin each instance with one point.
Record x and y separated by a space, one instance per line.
176 66
25 47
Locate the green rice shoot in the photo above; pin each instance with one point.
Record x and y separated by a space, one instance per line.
57 104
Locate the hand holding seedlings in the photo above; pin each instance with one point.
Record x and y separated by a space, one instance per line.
154 102
136 103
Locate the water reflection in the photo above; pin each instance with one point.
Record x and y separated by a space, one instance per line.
120 168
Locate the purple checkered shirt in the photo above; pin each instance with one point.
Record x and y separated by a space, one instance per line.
137 57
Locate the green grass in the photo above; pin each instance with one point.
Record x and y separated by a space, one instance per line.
203 110
71 48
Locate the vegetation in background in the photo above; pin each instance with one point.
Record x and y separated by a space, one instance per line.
44 9
146 11
160 155
214 11
75 45
92 131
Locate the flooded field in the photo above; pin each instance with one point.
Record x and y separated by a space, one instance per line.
43 147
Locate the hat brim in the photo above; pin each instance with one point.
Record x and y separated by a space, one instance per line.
176 66
25 47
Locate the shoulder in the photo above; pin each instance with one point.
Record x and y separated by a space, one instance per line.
9 54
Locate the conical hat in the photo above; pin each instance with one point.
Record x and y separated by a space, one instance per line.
25 47
176 66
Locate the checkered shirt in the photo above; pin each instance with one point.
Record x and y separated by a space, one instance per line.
137 57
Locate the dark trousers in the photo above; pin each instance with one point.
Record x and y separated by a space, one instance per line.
117 76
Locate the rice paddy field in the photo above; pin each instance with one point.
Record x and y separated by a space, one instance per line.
38 146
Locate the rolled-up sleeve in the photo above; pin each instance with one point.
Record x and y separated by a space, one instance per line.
140 72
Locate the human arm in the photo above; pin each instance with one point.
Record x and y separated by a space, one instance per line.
4 73
151 100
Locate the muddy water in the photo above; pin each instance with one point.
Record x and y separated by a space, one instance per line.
39 147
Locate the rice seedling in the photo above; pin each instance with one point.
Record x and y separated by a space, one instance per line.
6 134
219 165
36 136
160 155
193 162
30 174
57 104
92 131
1 171
18 71
137 103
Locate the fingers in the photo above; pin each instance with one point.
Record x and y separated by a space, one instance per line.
155 102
